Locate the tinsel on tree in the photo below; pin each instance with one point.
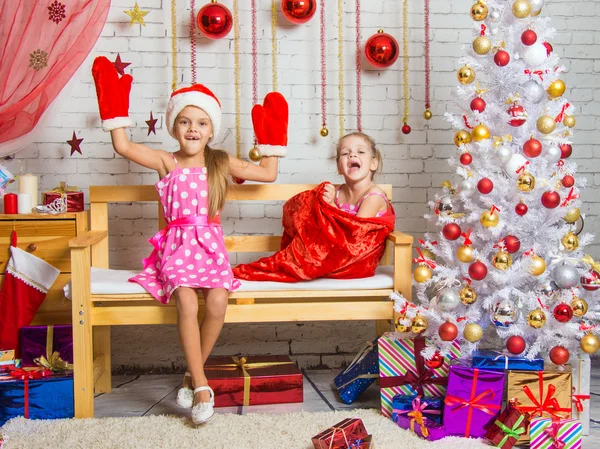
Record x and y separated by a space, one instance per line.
510 256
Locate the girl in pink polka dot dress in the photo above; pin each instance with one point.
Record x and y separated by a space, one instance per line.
190 254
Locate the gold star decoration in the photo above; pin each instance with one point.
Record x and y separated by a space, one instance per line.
38 59
137 15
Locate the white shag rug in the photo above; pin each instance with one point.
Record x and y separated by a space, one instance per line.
223 431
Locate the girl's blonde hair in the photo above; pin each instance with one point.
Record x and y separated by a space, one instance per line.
217 166
371 144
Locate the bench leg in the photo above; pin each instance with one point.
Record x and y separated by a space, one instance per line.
103 383
382 326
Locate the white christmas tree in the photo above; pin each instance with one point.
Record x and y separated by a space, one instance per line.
510 255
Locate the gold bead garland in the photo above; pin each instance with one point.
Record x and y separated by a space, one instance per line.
174 44
236 64
340 5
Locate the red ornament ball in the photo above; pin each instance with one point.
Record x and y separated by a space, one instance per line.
516 345
512 244
550 199
562 312
214 20
485 186
521 209
298 11
559 355
466 158
568 181
529 37
532 148
565 150
448 331
381 50
451 231
548 48
590 281
436 361
478 104
406 129
238 180
501 58
517 115
477 270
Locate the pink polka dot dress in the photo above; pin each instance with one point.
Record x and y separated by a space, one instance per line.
190 251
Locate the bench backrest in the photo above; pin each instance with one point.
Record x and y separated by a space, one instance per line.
101 196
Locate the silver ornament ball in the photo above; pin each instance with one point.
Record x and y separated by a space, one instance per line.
533 91
549 289
447 300
552 153
503 154
494 30
565 275
536 5
467 188
505 313
495 16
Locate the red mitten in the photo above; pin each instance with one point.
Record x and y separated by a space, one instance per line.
113 94
270 125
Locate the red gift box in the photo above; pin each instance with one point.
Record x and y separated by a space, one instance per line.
71 196
505 430
343 435
254 380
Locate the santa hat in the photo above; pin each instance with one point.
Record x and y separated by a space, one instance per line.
197 95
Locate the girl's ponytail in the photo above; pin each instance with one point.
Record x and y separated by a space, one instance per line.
217 166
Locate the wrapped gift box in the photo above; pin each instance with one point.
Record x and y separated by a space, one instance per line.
546 434
402 370
7 357
37 342
421 425
473 399
359 374
254 380
505 430
70 196
36 394
344 435
430 408
493 360
581 390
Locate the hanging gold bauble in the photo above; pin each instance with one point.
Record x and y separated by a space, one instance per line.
579 306
572 215
428 254
569 120
466 75
589 343
489 220
570 241
536 318
482 45
473 332
254 155
521 8
556 89
526 182
468 295
479 11
480 132
401 327
419 324
537 265
462 137
324 132
502 260
427 114
422 274
546 124
465 253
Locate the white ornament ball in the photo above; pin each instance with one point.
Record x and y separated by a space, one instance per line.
466 187
515 162
493 30
536 5
552 153
533 91
503 154
495 16
535 54
447 300
566 275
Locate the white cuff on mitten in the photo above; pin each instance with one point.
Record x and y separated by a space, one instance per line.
272 150
116 123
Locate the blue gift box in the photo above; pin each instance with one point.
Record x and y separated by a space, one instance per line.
361 373
49 397
498 361
431 408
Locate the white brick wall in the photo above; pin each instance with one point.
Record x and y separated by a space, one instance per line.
414 164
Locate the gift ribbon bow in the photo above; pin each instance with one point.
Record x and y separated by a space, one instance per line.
535 72
52 359
513 432
423 260
591 262
578 400
63 189
552 432
548 405
467 236
501 140
416 415
571 196
559 118
25 376
522 168
364 351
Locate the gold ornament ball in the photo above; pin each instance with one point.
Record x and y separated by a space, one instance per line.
482 45
537 265
467 295
521 8
579 306
428 254
569 121
570 241
462 137
465 253
589 344
573 215
489 220
419 324
480 132
422 274
427 114
466 75
536 318
473 332
479 11
254 155
401 327
556 88
536 13
546 124
324 132
502 260
526 182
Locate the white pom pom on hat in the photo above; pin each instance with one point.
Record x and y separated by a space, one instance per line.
197 95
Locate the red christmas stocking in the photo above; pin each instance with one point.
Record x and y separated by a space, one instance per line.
26 282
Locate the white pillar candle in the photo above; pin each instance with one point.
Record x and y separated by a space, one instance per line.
28 183
24 203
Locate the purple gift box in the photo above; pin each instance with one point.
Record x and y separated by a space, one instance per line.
473 399
422 426
38 341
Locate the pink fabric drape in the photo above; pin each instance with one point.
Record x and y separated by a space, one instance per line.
42 44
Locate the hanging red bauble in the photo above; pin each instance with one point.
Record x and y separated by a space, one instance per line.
512 244
568 181
477 270
516 345
466 158
238 180
521 209
214 20
485 185
532 148
478 104
517 115
381 50
298 11
565 150
529 37
559 355
451 231
448 331
591 281
435 362
548 48
501 58
562 312
550 199
406 129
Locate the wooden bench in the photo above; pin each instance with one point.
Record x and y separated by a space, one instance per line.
96 305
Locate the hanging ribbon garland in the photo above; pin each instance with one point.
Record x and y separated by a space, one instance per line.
193 38
427 114
236 56
324 130
174 44
254 60
274 44
340 5
405 127
358 71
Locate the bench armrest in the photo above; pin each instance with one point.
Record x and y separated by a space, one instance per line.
87 239
401 238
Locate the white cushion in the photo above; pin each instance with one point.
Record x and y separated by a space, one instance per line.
109 282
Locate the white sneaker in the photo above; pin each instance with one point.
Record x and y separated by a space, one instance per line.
203 411
185 395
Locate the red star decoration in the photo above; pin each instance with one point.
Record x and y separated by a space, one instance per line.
75 142
151 124
119 65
